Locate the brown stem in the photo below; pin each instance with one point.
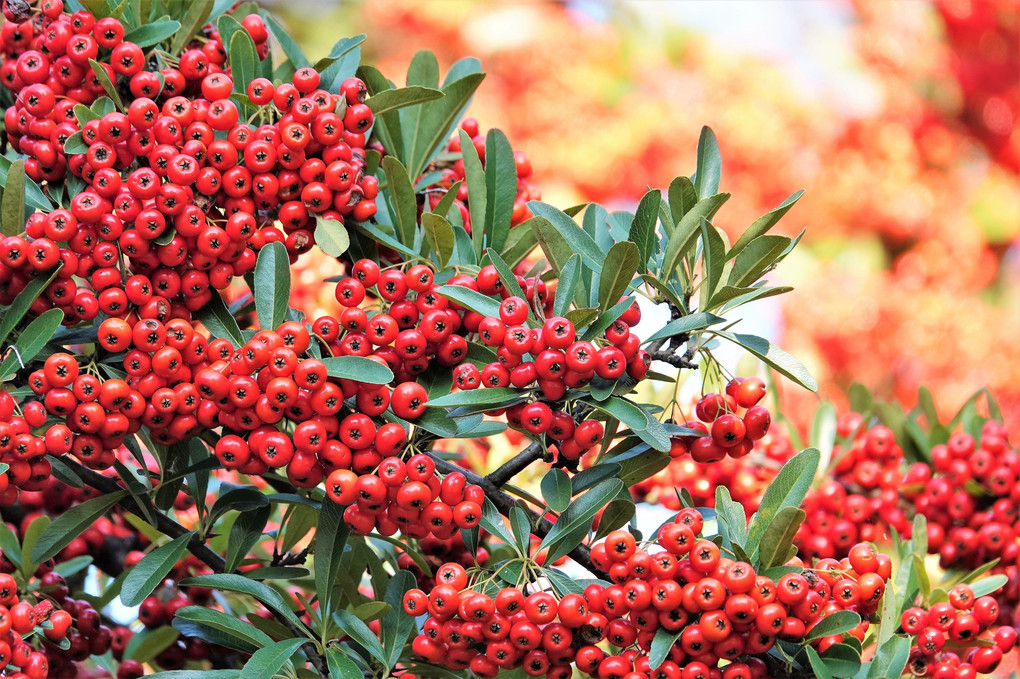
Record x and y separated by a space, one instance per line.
516 464
197 546
504 503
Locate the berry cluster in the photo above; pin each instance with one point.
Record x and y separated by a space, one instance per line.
721 610
729 434
955 638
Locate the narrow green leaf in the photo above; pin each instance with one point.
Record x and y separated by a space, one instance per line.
556 248
358 368
579 241
71 524
621 264
988 585
685 324
642 229
244 534
12 207
819 667
834 623
13 314
437 118
331 236
648 429
272 285
731 517
233 582
341 62
330 538
267 661
755 259
616 515
788 489
31 341
662 642
642 466
569 530
706 181
477 189
230 625
218 320
148 35
440 237
686 233
842 660
556 490
391 100
401 199
891 658
519 244
396 626
778 537
566 287
506 274
774 357
682 197
592 476
340 666
713 258
472 299
501 187
764 223
104 80
147 575
195 16
147 644
476 397
290 47
360 632
521 528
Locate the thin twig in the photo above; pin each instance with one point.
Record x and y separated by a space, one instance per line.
516 464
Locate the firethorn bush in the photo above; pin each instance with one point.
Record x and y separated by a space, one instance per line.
199 479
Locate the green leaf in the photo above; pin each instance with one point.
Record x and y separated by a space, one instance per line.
774 357
492 522
556 490
396 626
686 324
331 236
606 319
777 540
391 100
501 187
521 527
819 667
9 545
764 223
341 63
472 299
290 47
575 237
569 278
359 369
147 644
104 80
244 534
621 264
401 199
148 35
238 583
709 172
71 524
642 466
506 274
436 119
788 489
340 666
662 642
330 538
195 16
196 674
478 397
891 658
218 320
13 314
31 341
556 248
359 631
244 60
75 144
648 429
32 535
272 285
592 476
477 188
731 517
682 197
12 206
232 626
713 255
642 229
616 515
439 234
988 585
147 575
756 258
519 244
841 660
834 623
686 233
569 530
267 661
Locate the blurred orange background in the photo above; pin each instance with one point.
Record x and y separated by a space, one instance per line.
899 118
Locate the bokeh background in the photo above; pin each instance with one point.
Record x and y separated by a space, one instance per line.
899 118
